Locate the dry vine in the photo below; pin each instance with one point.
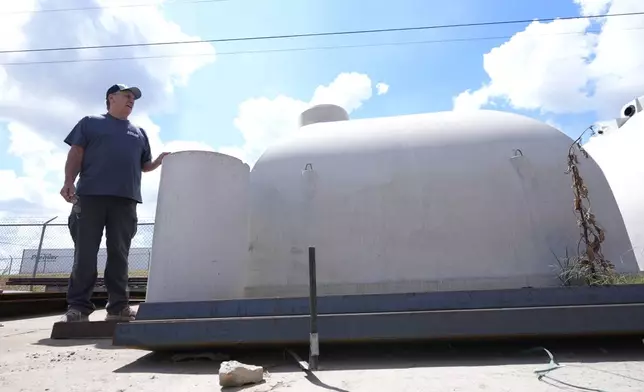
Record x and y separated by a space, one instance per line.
590 263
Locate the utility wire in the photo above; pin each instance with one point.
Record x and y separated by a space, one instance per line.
322 34
96 8
301 49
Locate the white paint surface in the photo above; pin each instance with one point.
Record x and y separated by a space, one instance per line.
619 154
438 201
200 245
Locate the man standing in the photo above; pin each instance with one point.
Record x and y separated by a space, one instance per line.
109 153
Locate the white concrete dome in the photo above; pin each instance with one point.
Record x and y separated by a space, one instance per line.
437 201
619 153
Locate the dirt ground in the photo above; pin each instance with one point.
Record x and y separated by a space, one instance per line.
30 361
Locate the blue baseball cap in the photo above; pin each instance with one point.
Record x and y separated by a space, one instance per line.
121 87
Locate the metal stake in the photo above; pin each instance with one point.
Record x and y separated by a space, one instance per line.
314 350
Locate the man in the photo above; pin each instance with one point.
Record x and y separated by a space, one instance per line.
109 153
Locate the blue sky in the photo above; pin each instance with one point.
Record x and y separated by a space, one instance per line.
423 78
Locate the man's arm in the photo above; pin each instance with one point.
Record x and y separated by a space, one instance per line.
73 163
147 164
77 140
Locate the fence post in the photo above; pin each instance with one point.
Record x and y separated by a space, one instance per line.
42 237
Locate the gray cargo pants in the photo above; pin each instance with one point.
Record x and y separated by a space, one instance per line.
89 216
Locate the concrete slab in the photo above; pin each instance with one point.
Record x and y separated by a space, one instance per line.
29 361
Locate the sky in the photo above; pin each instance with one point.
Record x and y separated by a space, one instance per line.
240 97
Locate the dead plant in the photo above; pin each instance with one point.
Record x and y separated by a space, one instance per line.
590 263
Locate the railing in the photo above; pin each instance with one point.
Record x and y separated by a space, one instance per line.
46 249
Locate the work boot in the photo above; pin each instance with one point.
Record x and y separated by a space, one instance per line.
127 314
74 315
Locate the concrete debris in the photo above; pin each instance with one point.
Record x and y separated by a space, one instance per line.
235 374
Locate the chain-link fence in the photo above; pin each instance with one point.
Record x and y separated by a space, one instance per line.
35 250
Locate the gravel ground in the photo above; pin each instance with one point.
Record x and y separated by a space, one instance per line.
29 361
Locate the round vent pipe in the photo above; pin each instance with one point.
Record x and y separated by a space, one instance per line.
323 113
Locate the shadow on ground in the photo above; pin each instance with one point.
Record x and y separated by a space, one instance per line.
102 344
398 356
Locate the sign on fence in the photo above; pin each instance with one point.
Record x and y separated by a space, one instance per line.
61 260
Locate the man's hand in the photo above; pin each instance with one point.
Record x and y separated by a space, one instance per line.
155 163
68 192
159 159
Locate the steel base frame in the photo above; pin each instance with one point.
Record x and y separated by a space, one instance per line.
515 313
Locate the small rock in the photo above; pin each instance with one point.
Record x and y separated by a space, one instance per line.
235 374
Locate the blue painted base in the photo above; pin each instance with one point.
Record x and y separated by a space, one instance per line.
597 320
544 312
405 302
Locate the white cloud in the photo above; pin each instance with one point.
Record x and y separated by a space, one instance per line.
263 121
382 88
472 100
593 7
561 67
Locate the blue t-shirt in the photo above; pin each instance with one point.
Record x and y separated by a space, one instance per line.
115 152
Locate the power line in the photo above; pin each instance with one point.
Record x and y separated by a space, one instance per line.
96 8
301 49
309 35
